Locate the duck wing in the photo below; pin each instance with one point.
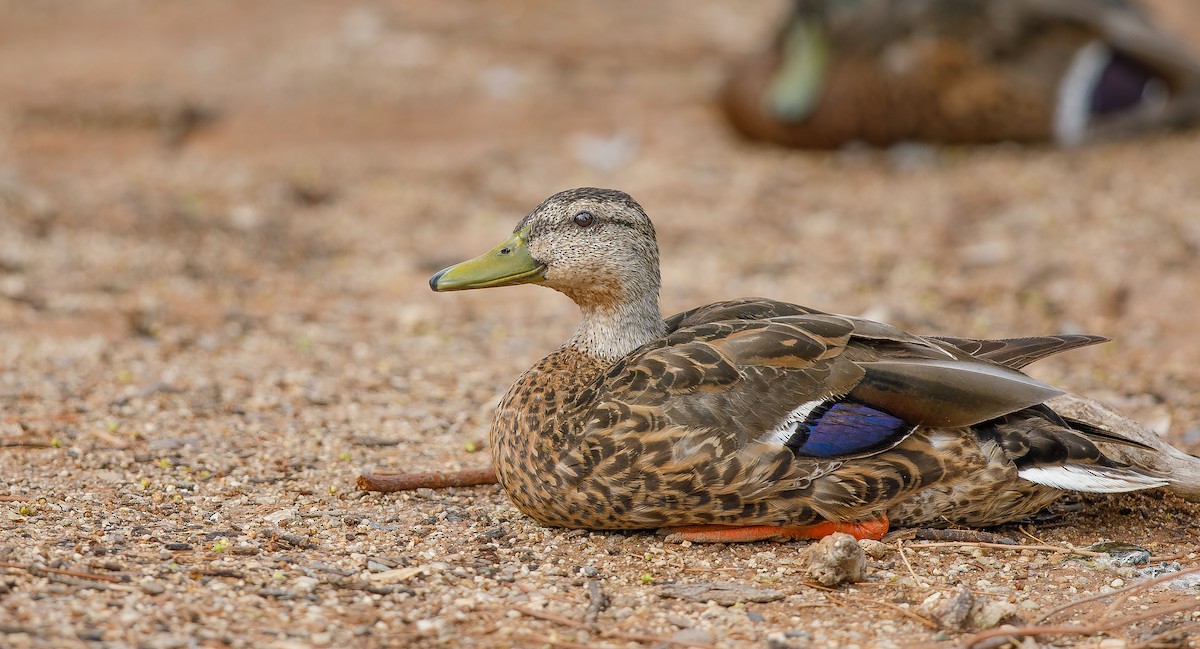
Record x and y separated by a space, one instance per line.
1019 352
824 386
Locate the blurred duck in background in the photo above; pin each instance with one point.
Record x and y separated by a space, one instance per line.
963 72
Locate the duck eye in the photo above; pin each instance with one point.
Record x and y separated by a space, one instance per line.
584 219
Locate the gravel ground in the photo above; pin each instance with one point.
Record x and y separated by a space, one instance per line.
216 225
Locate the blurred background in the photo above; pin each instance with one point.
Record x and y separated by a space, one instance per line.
167 169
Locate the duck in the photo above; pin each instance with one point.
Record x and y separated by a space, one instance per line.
1064 72
753 418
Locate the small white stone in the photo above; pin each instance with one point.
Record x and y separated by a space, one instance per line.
306 584
278 517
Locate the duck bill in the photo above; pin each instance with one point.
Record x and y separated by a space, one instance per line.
507 264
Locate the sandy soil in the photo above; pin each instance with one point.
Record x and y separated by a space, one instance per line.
216 225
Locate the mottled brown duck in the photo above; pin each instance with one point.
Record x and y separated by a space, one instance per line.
963 72
755 418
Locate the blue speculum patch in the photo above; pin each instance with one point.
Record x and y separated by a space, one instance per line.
845 428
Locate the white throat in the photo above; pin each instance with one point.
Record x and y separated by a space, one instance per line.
614 330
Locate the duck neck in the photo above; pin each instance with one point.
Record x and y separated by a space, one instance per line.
612 329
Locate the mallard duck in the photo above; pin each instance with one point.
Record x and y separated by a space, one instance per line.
754 418
962 71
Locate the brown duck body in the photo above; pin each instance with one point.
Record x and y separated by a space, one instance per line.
578 442
755 412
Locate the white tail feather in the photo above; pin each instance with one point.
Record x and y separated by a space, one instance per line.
1077 477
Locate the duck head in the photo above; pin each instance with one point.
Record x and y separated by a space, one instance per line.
597 247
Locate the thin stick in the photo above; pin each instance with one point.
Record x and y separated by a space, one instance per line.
1122 593
388 482
25 443
1152 640
1006 546
553 617
1159 558
1077 629
59 571
62 416
1031 535
967 536
904 558
597 601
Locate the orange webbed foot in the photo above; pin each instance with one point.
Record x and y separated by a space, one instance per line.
871 529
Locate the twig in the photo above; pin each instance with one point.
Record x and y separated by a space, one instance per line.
25 443
608 633
1122 593
388 482
110 440
974 642
1032 536
1044 548
554 617
1153 640
904 558
597 601
1158 558
1006 546
61 416
34 570
966 536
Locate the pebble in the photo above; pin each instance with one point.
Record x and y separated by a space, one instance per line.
306 584
622 613
991 613
278 517
692 635
950 611
791 639
875 549
679 621
836 559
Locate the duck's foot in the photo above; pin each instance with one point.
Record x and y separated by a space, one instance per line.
872 529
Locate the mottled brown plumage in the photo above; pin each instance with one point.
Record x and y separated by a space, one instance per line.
962 71
758 412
